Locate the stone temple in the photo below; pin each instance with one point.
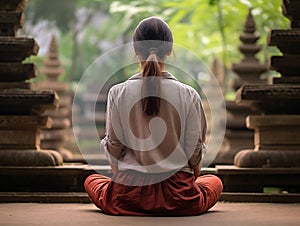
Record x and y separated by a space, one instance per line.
56 136
21 108
249 71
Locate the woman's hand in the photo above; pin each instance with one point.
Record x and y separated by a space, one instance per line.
197 171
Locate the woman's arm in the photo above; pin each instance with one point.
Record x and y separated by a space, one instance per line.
196 134
113 148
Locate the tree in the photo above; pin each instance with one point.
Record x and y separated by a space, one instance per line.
71 17
210 28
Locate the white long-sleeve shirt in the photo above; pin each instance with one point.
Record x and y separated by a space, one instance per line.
172 140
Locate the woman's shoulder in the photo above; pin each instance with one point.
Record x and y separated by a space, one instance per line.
119 87
115 87
187 88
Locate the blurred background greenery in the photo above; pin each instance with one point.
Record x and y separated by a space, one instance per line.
86 29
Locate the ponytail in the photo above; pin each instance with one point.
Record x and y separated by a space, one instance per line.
151 84
152 42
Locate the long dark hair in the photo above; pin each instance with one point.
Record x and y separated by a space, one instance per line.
153 40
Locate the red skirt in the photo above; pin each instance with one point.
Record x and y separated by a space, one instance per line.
179 195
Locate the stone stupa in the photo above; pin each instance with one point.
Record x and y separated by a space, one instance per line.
56 136
20 107
277 137
248 71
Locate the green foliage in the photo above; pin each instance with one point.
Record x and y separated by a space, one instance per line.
65 46
201 26
38 61
203 33
59 11
209 28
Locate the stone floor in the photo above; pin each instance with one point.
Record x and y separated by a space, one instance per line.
224 214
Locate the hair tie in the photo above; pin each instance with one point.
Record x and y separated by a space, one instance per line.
153 51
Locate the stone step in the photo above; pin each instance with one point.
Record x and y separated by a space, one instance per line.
66 178
44 197
242 179
70 178
260 197
82 197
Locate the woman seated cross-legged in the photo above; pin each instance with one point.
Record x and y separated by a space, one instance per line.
155 134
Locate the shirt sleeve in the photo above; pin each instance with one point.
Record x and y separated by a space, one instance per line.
111 144
195 133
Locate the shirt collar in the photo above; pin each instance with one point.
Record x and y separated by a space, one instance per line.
165 74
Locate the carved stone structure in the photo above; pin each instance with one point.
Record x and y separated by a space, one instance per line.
20 107
249 71
55 137
92 114
277 137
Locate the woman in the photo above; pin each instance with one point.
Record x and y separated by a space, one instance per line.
154 140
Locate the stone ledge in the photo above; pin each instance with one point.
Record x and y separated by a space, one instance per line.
14 49
66 178
19 101
255 179
44 197
14 5
287 41
29 158
235 170
275 99
258 197
24 122
17 71
256 121
13 18
82 197
268 159
287 65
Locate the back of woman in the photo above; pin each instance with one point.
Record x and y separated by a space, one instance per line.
155 134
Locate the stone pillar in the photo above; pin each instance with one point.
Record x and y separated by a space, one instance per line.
21 107
277 137
248 71
56 136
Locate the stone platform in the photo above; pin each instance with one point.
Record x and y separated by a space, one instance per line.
70 178
66 178
223 214
242 179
